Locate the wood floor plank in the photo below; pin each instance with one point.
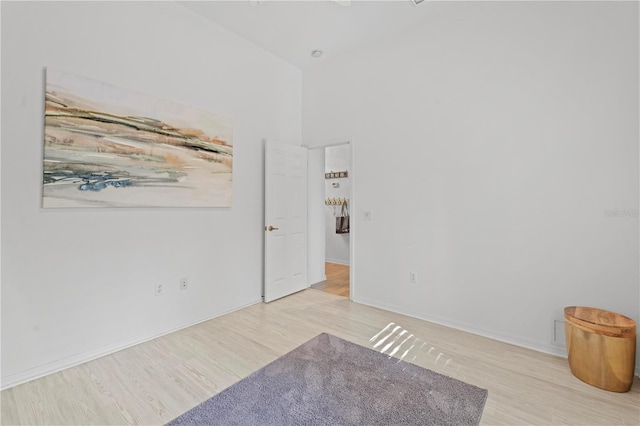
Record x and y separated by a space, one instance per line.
158 380
337 281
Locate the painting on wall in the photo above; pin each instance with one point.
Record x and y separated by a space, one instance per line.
106 146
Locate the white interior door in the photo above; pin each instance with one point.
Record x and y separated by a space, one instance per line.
285 220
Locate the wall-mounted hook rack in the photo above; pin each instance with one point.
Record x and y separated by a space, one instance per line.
336 201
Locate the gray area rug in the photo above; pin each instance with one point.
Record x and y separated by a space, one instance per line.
329 381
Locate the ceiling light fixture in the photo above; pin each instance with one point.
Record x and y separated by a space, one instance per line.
316 53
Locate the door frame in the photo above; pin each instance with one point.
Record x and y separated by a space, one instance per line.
327 143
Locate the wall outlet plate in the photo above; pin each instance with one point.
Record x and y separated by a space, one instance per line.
159 289
184 283
559 333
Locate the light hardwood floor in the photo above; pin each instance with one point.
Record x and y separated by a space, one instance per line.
337 281
156 381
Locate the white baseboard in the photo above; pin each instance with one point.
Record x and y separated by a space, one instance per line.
338 261
74 360
517 341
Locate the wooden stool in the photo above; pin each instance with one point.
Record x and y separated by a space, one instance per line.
601 346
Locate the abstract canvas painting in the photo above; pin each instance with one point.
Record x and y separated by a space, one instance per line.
106 146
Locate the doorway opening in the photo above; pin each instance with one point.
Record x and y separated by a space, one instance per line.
330 195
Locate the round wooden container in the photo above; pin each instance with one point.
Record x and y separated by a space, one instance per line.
601 346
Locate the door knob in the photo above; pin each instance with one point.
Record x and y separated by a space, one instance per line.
271 228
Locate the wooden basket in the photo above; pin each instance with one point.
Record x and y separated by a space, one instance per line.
601 346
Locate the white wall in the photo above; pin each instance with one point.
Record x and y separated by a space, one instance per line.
316 212
337 159
490 142
79 283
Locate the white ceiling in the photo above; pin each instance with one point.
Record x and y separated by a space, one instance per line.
292 29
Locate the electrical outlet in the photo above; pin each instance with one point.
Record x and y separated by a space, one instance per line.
159 289
184 284
413 277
